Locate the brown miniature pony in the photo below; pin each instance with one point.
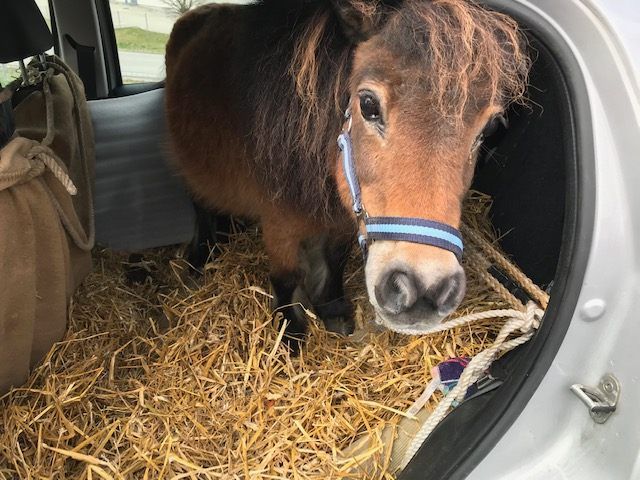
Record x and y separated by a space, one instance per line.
255 98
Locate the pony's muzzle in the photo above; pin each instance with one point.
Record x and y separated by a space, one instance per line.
401 294
413 292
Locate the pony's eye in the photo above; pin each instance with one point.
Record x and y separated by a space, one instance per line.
370 107
492 125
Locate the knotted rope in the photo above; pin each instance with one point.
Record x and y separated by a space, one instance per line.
48 158
491 253
518 321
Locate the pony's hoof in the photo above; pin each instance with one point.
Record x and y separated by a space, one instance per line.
295 333
340 325
137 270
197 258
294 344
337 316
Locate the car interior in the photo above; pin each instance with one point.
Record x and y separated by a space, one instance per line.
531 168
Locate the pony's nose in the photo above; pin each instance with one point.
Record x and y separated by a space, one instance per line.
402 292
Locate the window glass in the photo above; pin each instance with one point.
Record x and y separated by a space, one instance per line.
142 29
11 71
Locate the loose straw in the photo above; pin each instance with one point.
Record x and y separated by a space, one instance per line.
186 378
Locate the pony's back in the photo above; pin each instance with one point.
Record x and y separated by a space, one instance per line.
262 85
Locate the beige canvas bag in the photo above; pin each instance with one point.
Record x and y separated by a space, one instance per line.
46 219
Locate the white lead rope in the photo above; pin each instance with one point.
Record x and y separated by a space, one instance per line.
461 321
525 322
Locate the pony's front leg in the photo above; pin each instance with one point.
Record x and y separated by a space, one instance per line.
204 238
325 258
283 236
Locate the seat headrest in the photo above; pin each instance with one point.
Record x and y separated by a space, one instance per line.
23 30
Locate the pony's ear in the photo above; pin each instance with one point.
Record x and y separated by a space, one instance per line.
359 18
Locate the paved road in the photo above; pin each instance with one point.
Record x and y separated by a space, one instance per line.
142 67
136 67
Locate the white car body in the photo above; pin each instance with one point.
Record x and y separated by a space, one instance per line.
554 437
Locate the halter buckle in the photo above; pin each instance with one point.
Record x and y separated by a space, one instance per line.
348 118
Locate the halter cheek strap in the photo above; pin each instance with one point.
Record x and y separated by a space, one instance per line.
405 229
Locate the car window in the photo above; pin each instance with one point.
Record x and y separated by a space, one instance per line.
142 29
11 71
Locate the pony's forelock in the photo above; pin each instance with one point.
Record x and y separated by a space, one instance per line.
469 51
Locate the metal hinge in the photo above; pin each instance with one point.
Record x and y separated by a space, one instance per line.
602 400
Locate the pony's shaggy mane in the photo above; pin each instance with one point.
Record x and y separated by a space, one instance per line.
469 51
298 115
472 55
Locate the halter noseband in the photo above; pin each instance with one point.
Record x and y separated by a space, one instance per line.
405 229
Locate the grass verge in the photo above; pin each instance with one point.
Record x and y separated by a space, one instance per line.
134 39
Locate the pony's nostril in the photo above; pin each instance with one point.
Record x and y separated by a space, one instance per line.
449 292
397 292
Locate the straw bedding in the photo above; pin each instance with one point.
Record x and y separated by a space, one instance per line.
183 378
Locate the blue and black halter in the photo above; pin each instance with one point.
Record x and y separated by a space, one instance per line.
405 229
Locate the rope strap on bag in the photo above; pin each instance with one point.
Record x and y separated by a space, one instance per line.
42 154
50 160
